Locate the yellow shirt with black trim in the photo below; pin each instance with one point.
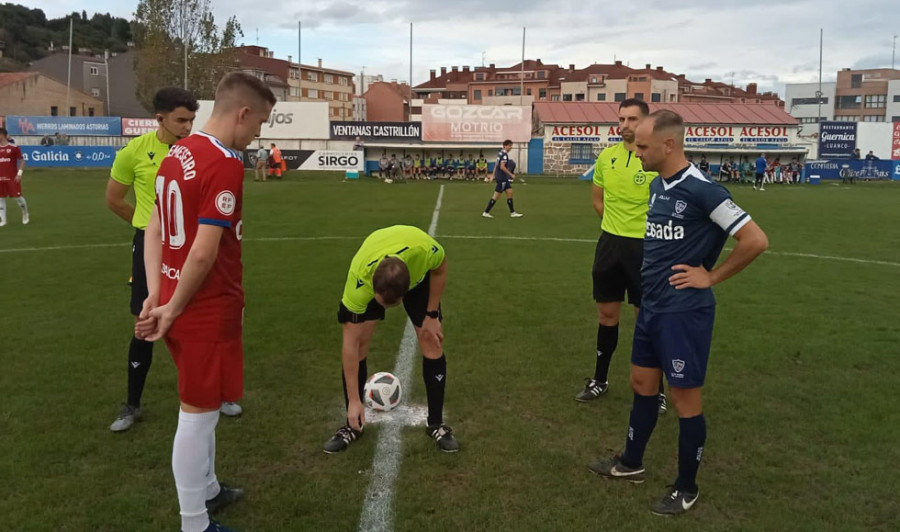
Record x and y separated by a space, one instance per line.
135 166
626 191
414 247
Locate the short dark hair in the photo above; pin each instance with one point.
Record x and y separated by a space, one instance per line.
391 280
252 84
634 102
170 98
665 119
507 142
3 132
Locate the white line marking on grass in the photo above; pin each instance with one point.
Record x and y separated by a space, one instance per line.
58 248
458 237
377 513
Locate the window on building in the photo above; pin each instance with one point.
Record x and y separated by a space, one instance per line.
567 97
312 93
554 98
476 95
490 92
542 94
620 97
849 102
95 71
517 91
655 97
328 95
579 97
312 76
541 74
873 118
528 92
329 78
601 96
343 81
479 76
808 101
54 111
848 118
73 111
855 81
90 111
876 101
594 80
581 154
897 98
95 92
639 96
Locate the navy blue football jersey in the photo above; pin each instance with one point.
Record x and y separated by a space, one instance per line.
690 218
499 174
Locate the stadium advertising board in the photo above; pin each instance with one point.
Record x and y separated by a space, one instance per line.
837 140
289 120
476 123
606 134
858 168
69 156
399 131
134 127
107 126
694 134
314 160
895 143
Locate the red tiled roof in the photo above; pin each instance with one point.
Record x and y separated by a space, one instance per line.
15 77
693 113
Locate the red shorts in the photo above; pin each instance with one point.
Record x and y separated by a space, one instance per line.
209 373
9 188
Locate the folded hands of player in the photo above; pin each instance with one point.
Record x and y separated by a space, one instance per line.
690 277
154 322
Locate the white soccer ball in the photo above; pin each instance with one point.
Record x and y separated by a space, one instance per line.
383 392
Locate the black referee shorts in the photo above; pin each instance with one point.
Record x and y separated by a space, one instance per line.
617 269
415 302
138 274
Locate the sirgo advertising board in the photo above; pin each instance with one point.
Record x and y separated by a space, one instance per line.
288 120
476 123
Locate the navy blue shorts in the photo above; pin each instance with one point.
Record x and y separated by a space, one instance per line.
676 342
502 185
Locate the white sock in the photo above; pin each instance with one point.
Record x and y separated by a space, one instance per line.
22 204
2 209
212 483
190 466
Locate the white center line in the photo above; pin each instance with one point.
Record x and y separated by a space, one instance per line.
377 512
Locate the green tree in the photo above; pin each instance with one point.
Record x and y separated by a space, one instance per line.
170 34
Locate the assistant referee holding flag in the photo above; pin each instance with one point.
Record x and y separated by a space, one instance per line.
621 195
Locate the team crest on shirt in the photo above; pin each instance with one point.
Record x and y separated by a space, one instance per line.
731 205
680 206
640 178
225 203
151 155
678 365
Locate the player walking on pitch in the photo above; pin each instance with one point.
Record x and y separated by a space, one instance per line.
197 301
688 223
12 164
397 264
504 174
620 195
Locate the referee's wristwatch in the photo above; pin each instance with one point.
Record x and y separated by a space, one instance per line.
433 314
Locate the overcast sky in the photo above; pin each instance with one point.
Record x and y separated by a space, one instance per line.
771 42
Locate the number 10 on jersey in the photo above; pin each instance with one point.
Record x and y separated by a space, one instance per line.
171 213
